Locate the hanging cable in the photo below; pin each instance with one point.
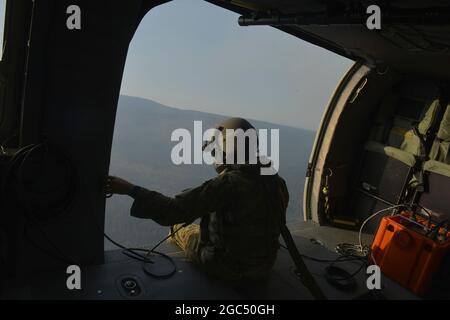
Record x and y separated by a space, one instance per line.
133 253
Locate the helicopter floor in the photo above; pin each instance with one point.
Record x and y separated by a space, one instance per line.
106 281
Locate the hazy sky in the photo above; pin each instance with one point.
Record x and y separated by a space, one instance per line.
193 55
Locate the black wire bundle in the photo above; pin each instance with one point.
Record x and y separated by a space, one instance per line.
337 276
133 253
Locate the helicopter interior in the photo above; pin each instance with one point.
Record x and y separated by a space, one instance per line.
59 90
385 152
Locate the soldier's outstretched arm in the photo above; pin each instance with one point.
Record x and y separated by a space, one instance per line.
186 206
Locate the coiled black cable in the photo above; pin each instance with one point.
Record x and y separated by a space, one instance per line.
133 253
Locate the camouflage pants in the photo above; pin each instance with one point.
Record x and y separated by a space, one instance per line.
188 239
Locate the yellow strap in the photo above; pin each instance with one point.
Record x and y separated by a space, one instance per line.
348 223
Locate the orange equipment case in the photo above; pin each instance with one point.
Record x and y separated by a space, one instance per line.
408 256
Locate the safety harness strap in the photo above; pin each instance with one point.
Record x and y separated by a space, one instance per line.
306 277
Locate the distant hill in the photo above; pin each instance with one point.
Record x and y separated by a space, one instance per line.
141 154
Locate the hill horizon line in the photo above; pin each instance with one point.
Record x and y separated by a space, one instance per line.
208 113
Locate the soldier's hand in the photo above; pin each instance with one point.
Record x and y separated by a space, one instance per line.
117 185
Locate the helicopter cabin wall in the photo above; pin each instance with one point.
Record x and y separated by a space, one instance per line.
374 152
343 155
70 95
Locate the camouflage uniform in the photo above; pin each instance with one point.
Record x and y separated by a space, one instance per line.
241 215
